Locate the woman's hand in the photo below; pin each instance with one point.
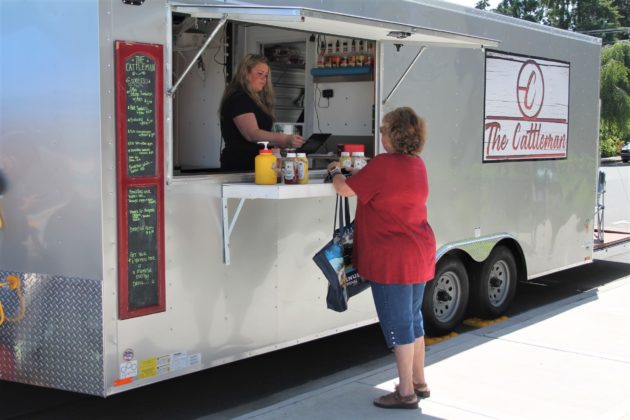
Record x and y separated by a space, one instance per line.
294 141
339 182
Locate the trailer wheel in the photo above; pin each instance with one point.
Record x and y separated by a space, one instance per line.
445 297
495 288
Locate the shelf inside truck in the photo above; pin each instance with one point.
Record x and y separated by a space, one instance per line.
342 74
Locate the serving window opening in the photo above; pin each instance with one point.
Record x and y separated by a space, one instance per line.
322 83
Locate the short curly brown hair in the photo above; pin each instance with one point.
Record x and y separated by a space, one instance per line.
406 130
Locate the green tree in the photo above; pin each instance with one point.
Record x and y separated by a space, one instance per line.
530 10
615 91
624 10
595 14
623 6
482 4
559 13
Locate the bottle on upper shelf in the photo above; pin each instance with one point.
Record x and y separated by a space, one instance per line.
342 52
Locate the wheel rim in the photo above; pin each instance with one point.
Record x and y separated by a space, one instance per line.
498 283
447 296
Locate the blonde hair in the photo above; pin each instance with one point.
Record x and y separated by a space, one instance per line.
406 130
265 98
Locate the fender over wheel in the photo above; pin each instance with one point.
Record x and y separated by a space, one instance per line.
494 289
445 297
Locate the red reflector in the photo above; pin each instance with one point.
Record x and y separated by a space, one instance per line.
123 381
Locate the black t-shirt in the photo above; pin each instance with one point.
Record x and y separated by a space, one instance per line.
239 154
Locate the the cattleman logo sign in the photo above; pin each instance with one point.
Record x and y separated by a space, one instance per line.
527 108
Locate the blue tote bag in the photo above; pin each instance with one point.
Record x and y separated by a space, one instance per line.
335 261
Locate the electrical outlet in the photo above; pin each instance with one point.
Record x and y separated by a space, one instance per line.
327 93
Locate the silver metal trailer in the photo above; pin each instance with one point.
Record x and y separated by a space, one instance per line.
133 259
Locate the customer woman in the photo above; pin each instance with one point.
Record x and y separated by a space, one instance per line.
394 246
247 115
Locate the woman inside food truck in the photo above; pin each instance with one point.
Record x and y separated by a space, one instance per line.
246 113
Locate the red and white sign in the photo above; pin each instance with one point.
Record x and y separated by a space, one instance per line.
526 108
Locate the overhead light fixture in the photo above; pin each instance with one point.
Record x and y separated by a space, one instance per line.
399 34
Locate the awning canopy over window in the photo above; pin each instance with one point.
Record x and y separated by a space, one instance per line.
310 20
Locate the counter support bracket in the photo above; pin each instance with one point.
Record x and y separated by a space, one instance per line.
249 191
228 227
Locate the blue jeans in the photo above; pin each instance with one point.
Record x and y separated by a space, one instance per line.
399 311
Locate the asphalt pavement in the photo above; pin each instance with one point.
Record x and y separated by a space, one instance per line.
568 359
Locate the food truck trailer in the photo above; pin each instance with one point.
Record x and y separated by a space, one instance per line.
128 257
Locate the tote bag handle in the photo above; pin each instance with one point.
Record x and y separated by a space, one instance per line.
342 213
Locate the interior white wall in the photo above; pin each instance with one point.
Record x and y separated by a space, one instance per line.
196 122
348 112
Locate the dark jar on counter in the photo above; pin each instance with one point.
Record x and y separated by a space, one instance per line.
289 168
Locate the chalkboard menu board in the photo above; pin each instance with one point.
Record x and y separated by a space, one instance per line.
140 163
140 115
142 252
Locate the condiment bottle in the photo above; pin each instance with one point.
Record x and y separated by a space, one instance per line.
289 169
302 168
276 152
345 161
265 166
358 160
369 59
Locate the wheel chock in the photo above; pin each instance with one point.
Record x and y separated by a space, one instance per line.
434 340
480 323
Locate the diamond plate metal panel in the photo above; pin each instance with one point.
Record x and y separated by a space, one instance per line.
59 342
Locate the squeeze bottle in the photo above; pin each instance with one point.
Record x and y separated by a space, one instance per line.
289 169
302 168
358 160
345 161
265 166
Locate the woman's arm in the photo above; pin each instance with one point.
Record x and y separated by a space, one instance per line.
339 180
248 126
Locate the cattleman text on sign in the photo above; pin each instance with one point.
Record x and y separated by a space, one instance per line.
526 108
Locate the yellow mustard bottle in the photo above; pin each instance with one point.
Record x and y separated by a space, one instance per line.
265 166
302 168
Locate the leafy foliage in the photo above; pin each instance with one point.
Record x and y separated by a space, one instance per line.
615 91
523 9
482 4
609 143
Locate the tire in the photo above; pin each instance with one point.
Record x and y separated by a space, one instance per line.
494 289
445 297
625 160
